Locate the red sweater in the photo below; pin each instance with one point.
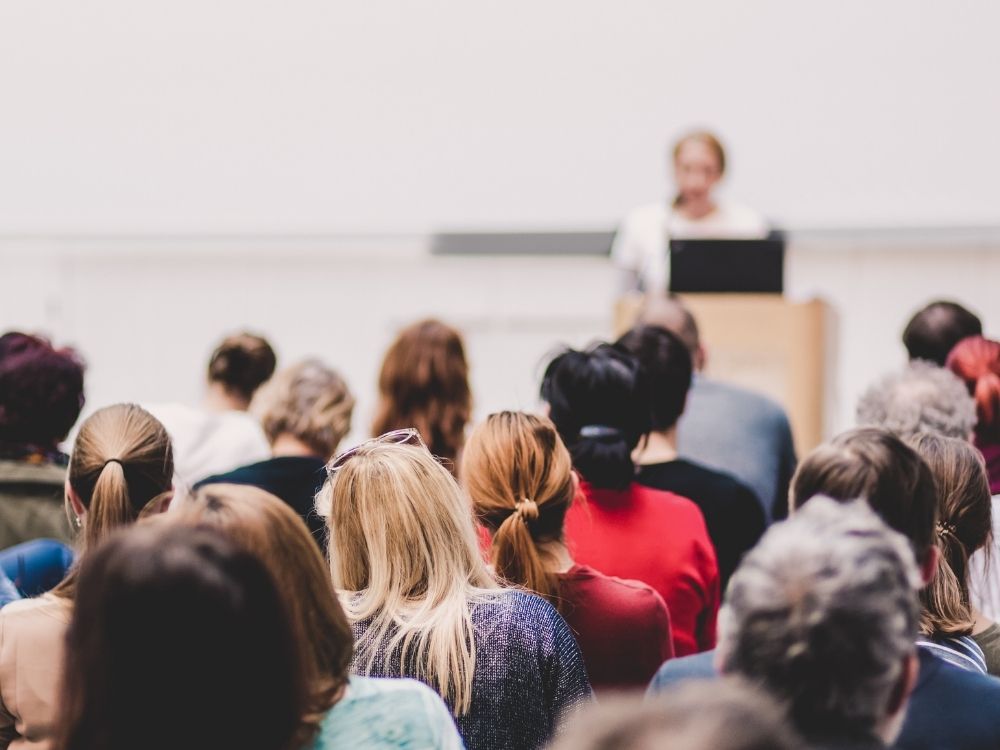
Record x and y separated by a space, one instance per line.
658 538
622 627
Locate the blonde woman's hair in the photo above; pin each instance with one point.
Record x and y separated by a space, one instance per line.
965 523
275 533
308 401
122 462
404 554
519 476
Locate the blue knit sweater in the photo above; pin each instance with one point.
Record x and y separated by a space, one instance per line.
529 673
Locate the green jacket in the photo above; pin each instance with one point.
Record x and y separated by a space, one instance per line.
31 502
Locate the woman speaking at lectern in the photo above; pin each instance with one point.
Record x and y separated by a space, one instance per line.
642 243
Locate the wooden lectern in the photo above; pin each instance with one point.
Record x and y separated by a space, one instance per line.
768 344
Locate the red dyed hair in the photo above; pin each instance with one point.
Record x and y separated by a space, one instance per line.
976 360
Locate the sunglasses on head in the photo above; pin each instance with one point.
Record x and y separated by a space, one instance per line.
406 436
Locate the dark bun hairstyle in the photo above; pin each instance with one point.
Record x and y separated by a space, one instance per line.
666 366
596 403
241 364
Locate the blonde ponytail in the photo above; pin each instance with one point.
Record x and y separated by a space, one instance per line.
518 474
964 526
121 461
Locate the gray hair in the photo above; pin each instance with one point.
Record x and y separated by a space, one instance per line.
921 398
823 613
724 714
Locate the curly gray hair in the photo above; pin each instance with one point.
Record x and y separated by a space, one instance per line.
921 398
824 612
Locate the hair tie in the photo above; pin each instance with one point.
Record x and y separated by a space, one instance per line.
114 461
600 431
946 528
526 509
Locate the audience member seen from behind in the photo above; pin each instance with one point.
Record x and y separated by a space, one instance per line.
934 330
221 436
405 557
977 362
963 528
922 397
520 478
823 614
305 411
424 383
41 394
733 514
340 710
875 465
622 528
121 464
641 248
728 428
706 715
179 640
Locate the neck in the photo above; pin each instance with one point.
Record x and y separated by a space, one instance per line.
980 622
657 447
556 556
289 445
696 209
217 398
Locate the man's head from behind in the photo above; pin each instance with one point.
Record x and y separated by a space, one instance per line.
665 363
670 313
823 613
935 329
874 465
920 398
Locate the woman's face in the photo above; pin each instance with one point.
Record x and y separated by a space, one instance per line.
696 171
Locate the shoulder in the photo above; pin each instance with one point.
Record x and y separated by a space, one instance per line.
616 593
748 402
669 502
388 713
41 608
646 215
680 669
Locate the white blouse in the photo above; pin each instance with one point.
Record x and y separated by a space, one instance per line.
641 247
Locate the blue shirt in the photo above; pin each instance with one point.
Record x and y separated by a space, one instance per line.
950 708
388 715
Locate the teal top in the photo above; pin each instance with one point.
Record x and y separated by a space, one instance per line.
387 714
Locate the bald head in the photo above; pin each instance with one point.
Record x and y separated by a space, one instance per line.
670 313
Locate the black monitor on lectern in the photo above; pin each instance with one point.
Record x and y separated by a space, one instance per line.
742 266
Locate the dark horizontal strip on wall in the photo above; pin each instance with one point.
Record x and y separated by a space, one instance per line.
521 243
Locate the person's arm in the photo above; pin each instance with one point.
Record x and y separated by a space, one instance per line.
445 733
626 254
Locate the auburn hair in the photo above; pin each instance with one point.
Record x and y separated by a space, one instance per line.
964 526
275 533
519 476
976 360
424 383
122 461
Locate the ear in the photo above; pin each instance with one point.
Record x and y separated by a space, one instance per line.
700 358
929 566
74 500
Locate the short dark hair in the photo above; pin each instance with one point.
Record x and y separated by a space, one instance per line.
599 389
872 464
179 638
934 330
666 367
41 390
241 363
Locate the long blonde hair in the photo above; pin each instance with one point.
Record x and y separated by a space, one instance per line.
519 475
122 461
274 532
404 555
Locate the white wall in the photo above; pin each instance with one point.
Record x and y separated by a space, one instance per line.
312 116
